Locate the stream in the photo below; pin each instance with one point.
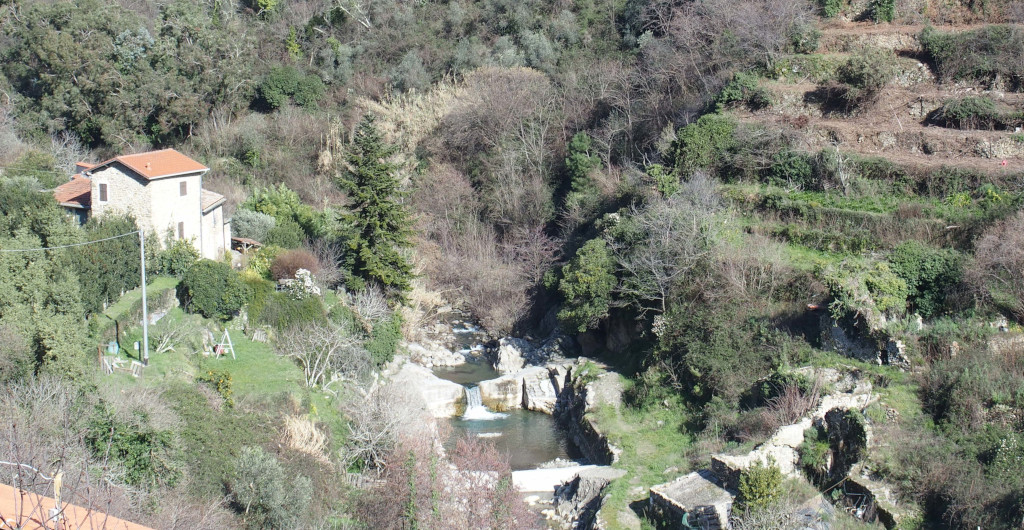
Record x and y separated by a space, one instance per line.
528 438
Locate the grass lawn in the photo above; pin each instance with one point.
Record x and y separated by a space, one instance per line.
261 379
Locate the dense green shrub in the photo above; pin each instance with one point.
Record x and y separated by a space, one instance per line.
859 287
804 38
148 454
39 166
719 349
743 88
283 311
702 144
284 204
286 82
16 358
981 55
252 225
111 267
760 486
586 286
971 112
864 75
258 262
384 338
212 289
814 452
830 8
792 169
179 256
260 291
931 274
580 161
264 495
286 233
883 10
665 180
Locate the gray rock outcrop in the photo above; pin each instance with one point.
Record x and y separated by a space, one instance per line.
502 394
432 354
511 355
442 398
533 388
577 501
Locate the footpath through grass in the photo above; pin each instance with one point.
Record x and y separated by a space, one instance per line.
655 443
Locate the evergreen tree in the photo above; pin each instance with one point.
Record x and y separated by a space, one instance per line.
379 222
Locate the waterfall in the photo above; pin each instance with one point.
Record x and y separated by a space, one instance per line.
475 409
473 398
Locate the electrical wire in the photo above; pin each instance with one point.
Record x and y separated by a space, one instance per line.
68 246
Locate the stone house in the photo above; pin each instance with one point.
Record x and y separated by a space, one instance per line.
162 189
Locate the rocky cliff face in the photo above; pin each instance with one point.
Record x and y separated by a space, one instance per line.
575 400
577 501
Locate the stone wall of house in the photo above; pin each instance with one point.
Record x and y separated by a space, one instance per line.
125 194
170 207
157 205
214 240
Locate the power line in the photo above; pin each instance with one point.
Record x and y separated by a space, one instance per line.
68 246
142 270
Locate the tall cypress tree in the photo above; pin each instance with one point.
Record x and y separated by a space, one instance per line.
379 222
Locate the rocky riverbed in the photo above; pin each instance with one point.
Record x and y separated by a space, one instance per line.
533 406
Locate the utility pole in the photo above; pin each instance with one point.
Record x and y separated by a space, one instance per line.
145 308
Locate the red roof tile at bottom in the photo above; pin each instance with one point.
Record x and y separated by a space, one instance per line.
75 192
29 511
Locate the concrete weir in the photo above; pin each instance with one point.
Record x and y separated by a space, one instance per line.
545 480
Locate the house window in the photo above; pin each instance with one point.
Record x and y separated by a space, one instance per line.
181 230
103 193
183 188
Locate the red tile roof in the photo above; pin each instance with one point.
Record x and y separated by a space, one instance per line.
156 164
28 511
76 193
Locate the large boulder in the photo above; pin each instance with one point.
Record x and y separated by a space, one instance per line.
503 393
432 354
442 398
511 355
534 388
577 501
539 390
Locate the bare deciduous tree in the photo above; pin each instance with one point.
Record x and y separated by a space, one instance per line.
380 417
325 351
674 236
67 149
999 265
43 435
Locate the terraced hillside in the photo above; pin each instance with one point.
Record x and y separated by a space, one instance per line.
899 122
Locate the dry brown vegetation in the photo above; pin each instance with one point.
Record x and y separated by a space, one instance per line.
288 262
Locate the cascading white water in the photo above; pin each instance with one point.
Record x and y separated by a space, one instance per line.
475 410
473 399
